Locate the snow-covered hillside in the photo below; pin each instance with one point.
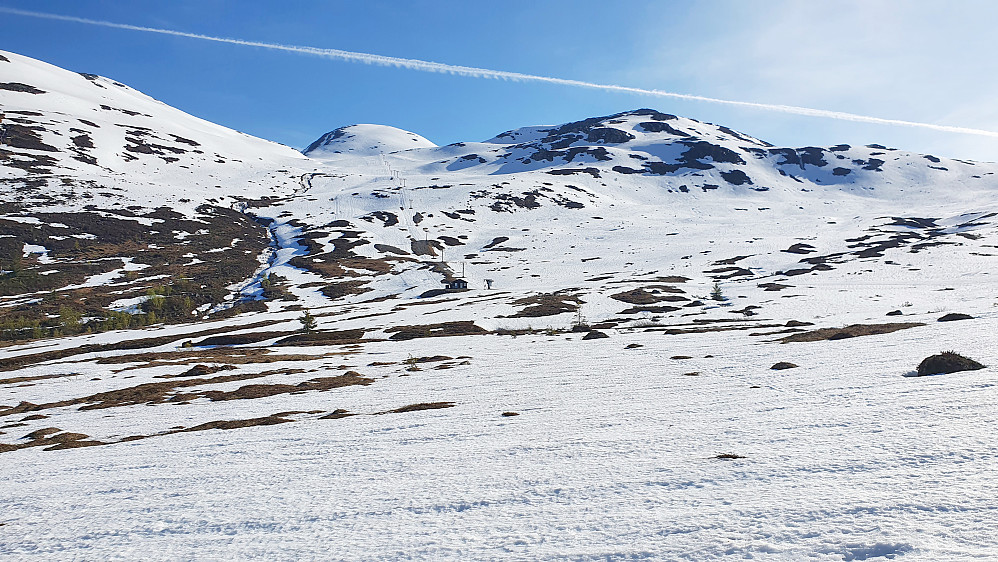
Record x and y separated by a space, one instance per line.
601 388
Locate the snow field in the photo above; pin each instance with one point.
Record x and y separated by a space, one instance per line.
612 455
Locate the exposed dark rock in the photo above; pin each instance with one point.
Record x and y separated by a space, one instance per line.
594 335
895 313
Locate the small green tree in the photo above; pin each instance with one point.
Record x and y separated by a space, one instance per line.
308 323
715 292
69 319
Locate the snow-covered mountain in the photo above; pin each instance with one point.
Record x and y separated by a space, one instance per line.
139 242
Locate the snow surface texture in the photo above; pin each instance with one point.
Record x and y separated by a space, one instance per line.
670 439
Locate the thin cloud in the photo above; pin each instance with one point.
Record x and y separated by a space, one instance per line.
473 72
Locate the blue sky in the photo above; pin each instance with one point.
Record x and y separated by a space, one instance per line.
909 60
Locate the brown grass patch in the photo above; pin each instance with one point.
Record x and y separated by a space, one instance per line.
11 363
15 380
646 296
460 328
852 331
546 304
167 391
420 406
326 337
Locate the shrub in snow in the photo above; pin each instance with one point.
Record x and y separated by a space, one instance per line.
946 362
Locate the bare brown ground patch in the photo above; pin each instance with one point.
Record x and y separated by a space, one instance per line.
459 328
546 304
852 331
11 363
420 406
649 295
168 391
15 380
224 356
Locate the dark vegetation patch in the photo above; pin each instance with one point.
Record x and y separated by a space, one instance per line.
387 249
800 248
773 286
324 337
648 295
234 424
736 177
650 309
421 406
713 326
387 218
51 439
729 272
495 242
609 135
169 392
504 202
946 362
344 288
660 127
16 362
782 365
16 380
459 328
594 172
240 339
852 331
19 87
953 316
546 304
89 243
26 137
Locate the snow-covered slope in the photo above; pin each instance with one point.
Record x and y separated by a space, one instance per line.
365 140
702 254
61 124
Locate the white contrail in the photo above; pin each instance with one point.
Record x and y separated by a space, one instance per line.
427 66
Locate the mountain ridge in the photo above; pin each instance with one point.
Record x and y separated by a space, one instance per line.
373 212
